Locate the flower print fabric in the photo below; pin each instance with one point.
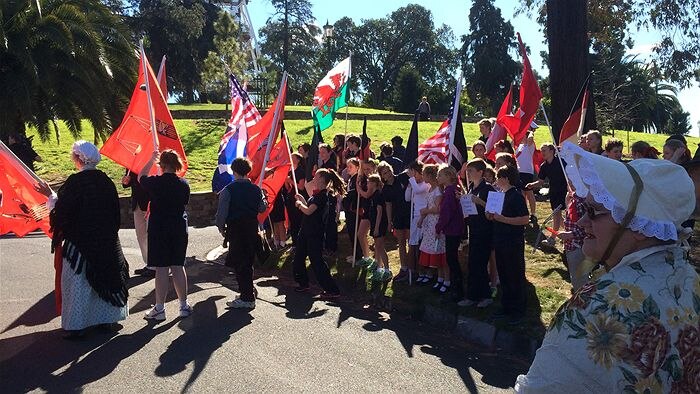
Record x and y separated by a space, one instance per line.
633 329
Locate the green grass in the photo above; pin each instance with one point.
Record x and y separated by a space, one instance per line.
300 108
201 140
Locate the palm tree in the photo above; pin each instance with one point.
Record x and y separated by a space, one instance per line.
63 60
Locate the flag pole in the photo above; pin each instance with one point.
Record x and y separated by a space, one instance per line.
453 121
357 213
148 96
291 163
273 134
556 148
347 106
160 69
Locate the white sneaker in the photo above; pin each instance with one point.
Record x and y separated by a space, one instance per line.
185 310
155 314
240 304
466 302
484 303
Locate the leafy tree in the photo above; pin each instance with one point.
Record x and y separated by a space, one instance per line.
678 123
290 41
71 61
489 68
408 90
184 31
381 47
227 52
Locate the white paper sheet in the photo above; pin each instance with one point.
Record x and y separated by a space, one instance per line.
468 206
494 204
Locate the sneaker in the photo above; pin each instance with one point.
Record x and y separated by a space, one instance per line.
484 303
494 292
371 265
240 304
185 311
155 314
402 276
377 275
466 302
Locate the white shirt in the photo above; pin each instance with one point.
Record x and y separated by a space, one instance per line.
524 158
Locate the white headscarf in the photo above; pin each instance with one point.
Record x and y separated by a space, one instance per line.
87 153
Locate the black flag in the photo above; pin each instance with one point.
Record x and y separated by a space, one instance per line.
459 148
412 144
312 160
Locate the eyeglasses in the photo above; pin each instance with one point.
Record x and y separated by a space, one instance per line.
593 212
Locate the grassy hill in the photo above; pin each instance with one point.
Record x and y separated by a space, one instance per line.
201 140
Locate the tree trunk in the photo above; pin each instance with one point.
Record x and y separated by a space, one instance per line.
567 35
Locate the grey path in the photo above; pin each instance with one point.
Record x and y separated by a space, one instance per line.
289 343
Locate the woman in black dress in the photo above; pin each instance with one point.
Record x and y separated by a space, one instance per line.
167 230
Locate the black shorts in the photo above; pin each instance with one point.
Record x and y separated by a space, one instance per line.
526 178
402 222
556 199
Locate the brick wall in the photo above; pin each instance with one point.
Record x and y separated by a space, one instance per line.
200 210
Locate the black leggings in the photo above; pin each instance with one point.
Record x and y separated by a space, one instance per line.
478 280
510 261
452 256
311 247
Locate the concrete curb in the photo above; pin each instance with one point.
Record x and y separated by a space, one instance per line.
475 331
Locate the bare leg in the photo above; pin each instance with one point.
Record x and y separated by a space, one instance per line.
530 197
162 285
493 272
557 220
362 234
180 282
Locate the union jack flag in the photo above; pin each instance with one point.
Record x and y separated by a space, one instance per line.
233 143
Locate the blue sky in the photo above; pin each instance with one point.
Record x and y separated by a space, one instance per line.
455 13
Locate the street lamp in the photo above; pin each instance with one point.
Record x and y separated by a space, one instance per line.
327 37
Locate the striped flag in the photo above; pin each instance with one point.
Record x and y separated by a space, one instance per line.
434 149
437 149
233 142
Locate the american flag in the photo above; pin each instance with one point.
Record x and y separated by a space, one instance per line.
233 143
436 149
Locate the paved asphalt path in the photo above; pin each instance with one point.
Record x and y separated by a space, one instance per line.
289 343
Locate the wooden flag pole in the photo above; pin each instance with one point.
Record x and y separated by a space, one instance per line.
152 116
291 163
345 134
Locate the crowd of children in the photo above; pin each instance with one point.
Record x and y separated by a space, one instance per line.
421 208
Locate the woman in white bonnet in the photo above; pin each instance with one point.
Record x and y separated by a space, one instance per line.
634 327
85 224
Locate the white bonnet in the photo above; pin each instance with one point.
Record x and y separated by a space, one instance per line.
667 198
86 152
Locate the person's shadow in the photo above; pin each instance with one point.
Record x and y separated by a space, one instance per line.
204 333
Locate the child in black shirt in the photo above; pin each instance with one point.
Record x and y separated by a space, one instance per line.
509 245
311 234
378 226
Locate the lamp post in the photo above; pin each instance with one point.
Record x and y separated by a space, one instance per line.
327 37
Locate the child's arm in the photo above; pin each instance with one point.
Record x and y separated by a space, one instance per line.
433 209
301 204
389 214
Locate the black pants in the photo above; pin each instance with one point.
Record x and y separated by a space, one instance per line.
510 261
478 280
452 257
243 240
350 227
311 247
295 217
330 233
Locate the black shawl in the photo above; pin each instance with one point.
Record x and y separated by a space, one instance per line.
86 216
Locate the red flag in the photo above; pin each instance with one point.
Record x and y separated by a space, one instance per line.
259 133
278 167
537 159
518 123
499 132
163 79
22 208
131 145
573 127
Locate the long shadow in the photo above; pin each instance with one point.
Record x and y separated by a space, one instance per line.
297 305
30 361
42 312
204 333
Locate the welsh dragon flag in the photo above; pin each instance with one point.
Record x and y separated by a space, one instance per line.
331 94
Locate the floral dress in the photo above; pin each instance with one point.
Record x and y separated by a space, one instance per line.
432 246
633 329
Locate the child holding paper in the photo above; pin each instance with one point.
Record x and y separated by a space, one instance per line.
480 238
509 244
